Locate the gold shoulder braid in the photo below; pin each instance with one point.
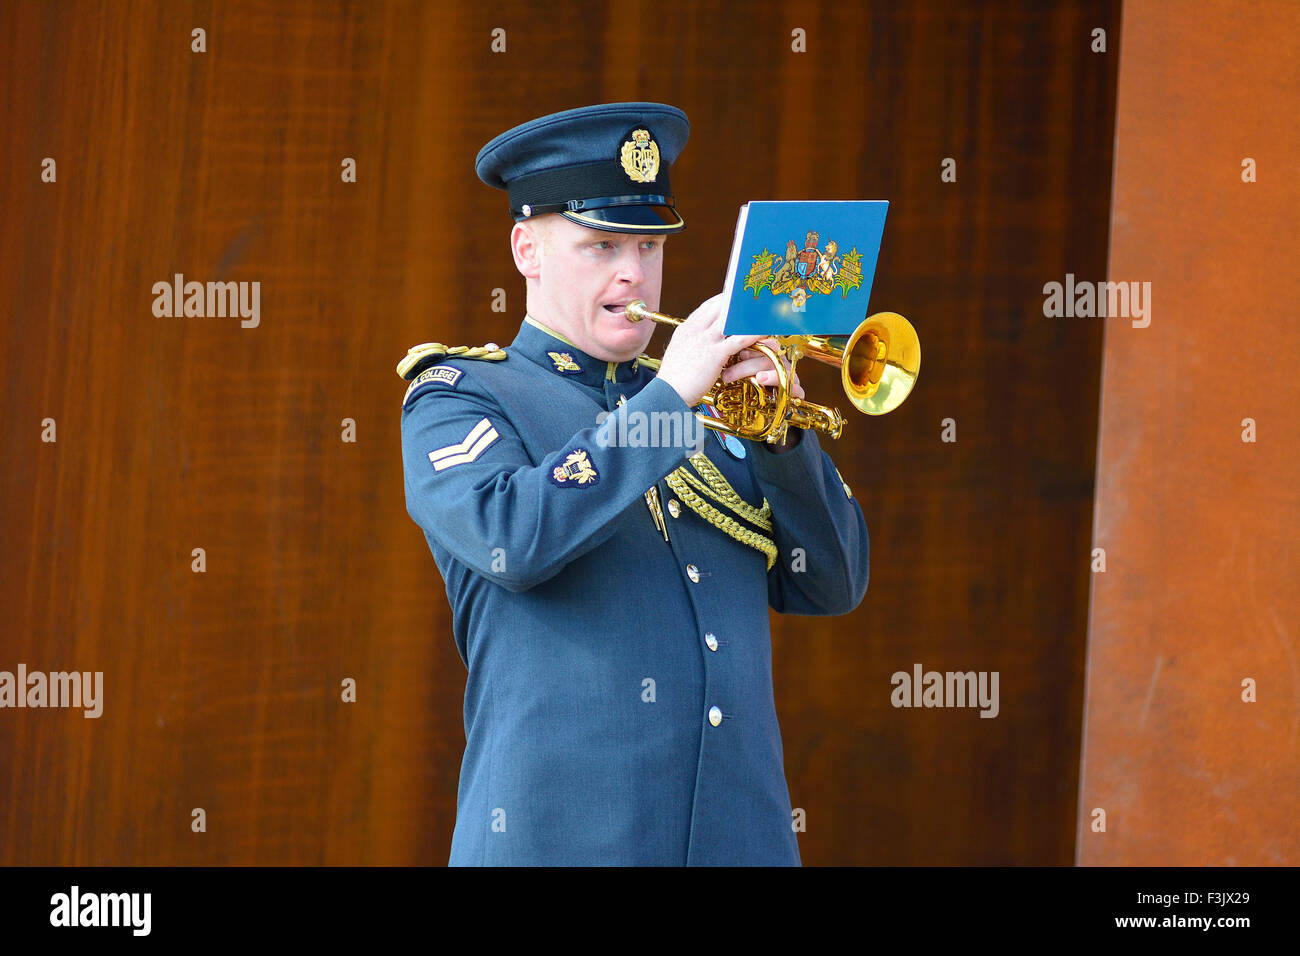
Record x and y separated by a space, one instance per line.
712 483
417 354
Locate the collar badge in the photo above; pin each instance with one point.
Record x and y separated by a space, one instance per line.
564 362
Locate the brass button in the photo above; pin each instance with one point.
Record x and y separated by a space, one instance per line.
693 573
711 641
674 507
715 716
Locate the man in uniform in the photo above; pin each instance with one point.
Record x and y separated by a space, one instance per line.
610 596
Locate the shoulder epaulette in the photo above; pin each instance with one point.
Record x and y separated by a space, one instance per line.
419 356
421 368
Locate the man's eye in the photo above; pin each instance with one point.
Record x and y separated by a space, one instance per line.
649 245
603 244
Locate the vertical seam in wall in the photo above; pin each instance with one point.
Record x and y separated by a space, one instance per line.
1096 474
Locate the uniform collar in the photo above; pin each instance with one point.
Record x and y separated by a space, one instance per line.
557 354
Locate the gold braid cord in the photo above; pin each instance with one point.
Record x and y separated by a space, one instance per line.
683 484
417 353
719 489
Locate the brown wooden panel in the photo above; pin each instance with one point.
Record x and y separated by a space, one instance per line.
222 689
1199 527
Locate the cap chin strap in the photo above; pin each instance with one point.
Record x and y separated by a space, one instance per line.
600 202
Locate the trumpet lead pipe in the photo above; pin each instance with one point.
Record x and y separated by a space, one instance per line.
636 311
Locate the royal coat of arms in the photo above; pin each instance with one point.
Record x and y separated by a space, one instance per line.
807 271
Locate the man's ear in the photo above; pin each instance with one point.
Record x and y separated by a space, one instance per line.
526 246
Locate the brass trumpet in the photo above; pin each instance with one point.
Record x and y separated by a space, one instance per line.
878 364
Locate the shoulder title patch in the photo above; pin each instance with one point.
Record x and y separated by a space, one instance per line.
439 375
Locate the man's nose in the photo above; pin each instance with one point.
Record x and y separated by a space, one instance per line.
629 265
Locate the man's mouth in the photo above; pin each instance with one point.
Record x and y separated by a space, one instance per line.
615 307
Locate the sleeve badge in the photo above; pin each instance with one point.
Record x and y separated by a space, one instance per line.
577 469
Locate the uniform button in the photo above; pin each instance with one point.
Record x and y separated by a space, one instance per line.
710 640
674 507
693 573
715 716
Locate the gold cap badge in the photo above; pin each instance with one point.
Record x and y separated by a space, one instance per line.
640 157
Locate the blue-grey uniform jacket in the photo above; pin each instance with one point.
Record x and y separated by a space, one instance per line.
618 703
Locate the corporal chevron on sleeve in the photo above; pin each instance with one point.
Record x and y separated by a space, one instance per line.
474 444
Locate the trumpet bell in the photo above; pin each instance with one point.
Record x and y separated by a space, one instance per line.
878 363
881 363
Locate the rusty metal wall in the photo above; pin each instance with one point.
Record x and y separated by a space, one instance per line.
1198 490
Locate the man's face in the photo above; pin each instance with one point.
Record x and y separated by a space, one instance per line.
585 276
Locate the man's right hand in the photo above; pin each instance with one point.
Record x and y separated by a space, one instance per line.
698 351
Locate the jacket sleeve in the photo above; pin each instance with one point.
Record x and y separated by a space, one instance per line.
812 510
471 484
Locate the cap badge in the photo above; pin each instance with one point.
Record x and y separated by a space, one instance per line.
640 157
